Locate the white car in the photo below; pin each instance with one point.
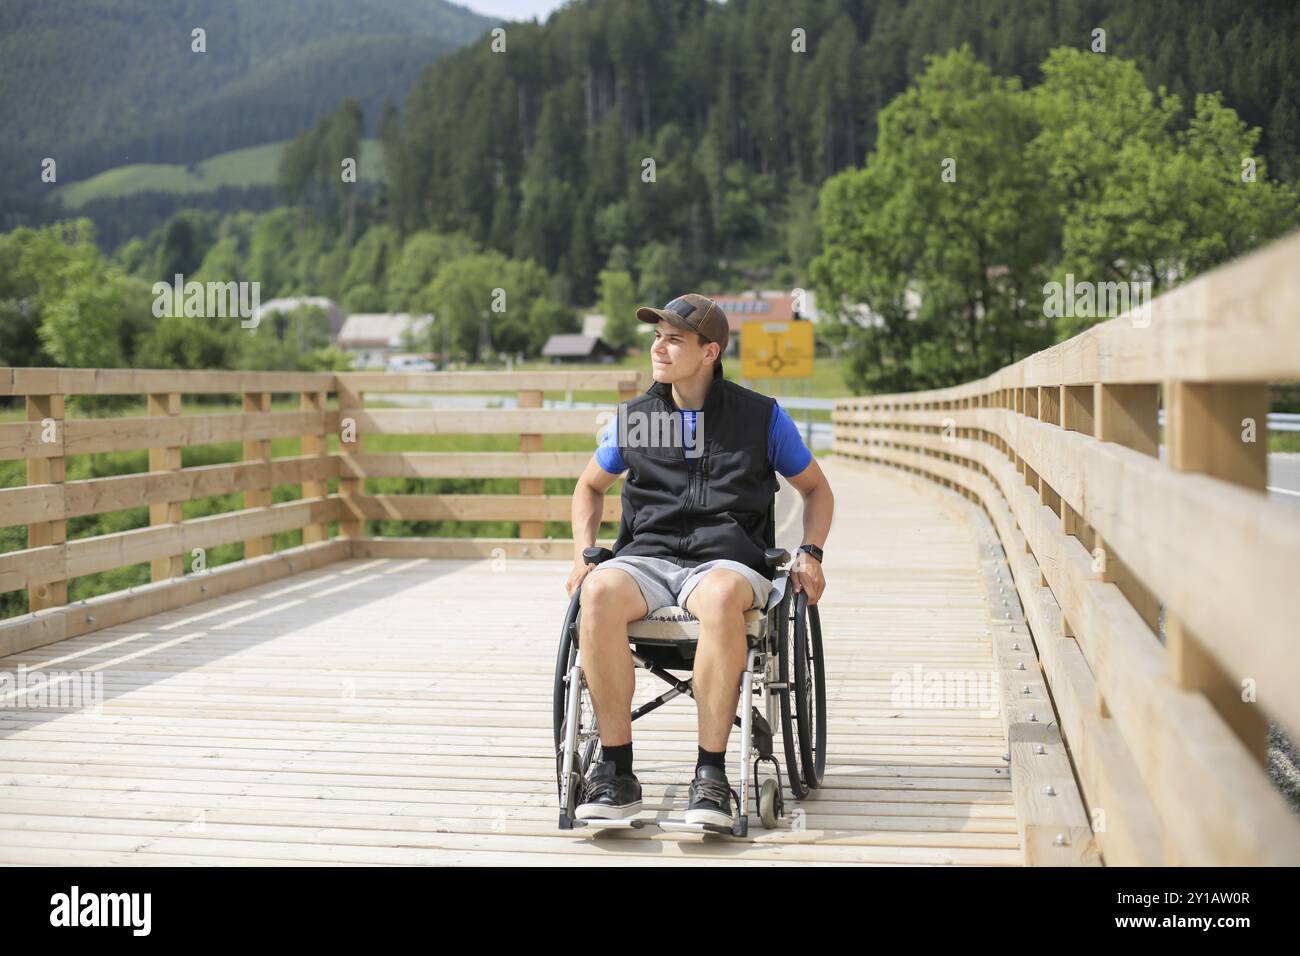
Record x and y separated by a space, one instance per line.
411 363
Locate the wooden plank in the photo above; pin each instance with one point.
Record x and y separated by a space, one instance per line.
257 404
1077 408
165 459
121 607
531 443
1054 827
530 510
505 382
1049 404
47 411
315 446
351 443
97 495
552 548
85 436
109 381
490 421
1221 431
32 502
1128 415
502 464
106 552
23 440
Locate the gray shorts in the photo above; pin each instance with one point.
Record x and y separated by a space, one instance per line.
664 584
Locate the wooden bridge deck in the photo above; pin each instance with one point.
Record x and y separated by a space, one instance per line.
397 711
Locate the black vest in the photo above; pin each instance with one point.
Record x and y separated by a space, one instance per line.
692 508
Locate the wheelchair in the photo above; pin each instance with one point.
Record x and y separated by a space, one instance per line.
783 666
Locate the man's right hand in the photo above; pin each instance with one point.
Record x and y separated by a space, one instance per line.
579 571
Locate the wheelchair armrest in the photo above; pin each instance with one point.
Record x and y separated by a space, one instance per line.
596 555
775 557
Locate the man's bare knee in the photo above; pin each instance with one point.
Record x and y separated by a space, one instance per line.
721 595
612 593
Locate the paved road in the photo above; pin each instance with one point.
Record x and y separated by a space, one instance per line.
1284 476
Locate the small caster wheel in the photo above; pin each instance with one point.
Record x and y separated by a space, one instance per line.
768 798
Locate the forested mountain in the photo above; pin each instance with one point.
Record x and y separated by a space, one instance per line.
539 150
98 85
632 148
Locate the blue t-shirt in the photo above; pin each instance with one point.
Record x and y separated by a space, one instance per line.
786 451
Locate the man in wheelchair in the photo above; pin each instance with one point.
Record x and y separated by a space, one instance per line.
697 519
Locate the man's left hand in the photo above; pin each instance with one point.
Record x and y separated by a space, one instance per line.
808 577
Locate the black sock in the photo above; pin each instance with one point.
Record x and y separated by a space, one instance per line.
621 755
708 758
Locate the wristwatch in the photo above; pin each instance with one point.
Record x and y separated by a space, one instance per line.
812 549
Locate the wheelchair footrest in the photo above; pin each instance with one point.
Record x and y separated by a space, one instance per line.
633 823
681 826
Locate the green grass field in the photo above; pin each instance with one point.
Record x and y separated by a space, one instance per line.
254 166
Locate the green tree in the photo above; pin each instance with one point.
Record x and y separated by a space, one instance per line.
618 302
943 233
491 304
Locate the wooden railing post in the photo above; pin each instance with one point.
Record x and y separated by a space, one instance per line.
316 444
258 449
167 512
1076 416
351 403
1128 415
531 398
47 471
1221 431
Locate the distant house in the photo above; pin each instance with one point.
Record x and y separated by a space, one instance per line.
371 337
593 324
287 305
576 348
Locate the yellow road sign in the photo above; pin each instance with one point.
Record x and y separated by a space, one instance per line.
776 349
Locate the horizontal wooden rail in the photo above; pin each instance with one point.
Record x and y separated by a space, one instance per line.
500 382
1161 593
47 439
117 381
494 464
468 508
482 421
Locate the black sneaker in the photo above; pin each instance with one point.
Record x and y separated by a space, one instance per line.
610 795
710 797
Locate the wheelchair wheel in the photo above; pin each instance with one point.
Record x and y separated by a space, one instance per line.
769 798
588 741
810 690
786 655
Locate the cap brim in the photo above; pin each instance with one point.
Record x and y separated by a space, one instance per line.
647 314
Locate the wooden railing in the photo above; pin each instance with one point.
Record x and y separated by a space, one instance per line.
48 438
1163 595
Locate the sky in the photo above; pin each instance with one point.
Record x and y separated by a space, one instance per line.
512 9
